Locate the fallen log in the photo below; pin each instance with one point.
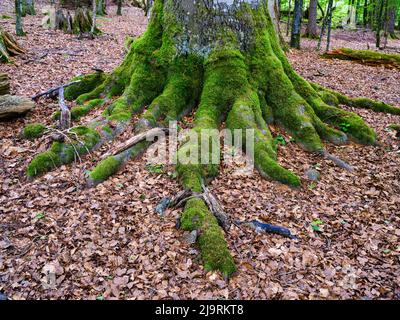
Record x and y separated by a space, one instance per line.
4 84
367 57
14 106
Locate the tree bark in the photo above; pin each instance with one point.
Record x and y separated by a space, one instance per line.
18 19
296 26
312 29
119 8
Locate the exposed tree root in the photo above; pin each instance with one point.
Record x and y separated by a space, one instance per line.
247 86
335 98
367 57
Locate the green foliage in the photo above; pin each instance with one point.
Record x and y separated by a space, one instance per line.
155 168
315 225
280 140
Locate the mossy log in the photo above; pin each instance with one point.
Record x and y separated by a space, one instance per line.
8 46
222 60
14 106
367 57
4 84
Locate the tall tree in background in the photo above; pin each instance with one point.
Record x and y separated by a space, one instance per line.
325 23
312 29
391 17
18 18
379 22
296 25
119 7
94 13
288 21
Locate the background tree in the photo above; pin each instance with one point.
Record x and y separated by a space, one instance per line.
296 25
119 7
312 29
18 18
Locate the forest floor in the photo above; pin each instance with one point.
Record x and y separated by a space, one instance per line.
108 243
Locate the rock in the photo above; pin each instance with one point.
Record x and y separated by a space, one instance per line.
191 237
13 106
312 174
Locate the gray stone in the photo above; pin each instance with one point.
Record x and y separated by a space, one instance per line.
312 174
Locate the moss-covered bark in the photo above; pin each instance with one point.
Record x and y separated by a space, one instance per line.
226 61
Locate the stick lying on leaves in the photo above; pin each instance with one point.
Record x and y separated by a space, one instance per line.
53 91
223 220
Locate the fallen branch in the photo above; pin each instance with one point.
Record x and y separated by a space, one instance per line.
266 227
148 135
54 91
216 208
337 161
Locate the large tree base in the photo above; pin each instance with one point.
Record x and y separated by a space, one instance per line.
246 84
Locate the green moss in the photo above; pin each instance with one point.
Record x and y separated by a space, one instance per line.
329 98
64 153
246 114
80 111
104 169
214 249
395 127
43 163
268 65
87 84
34 130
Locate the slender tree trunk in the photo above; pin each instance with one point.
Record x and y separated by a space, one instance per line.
324 23
379 23
328 37
391 20
365 13
288 21
312 29
18 19
119 9
94 11
296 26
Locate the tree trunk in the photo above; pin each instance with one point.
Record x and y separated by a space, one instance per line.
119 8
18 18
223 62
391 21
312 29
94 12
296 26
